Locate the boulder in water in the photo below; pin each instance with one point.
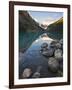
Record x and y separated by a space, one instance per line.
48 52
53 44
26 73
53 64
58 54
58 45
44 45
43 49
37 73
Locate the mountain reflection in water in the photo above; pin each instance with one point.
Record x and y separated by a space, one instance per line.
32 58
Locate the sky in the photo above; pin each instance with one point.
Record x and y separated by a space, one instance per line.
44 17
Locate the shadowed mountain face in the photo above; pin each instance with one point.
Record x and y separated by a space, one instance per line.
55 30
26 23
29 30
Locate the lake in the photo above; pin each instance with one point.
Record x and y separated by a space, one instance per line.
32 58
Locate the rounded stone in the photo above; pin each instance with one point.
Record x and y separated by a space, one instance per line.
36 75
26 73
53 64
48 52
58 54
53 44
58 45
43 49
44 45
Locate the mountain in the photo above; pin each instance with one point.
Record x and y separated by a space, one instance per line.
27 23
55 29
44 26
29 30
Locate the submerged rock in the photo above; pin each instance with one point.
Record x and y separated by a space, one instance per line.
53 44
53 64
37 73
26 73
48 52
58 45
44 45
43 49
58 54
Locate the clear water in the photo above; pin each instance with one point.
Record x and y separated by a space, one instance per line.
26 38
32 58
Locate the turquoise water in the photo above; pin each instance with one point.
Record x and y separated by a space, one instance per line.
33 58
26 38
55 35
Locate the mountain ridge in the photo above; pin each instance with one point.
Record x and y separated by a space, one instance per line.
29 30
56 29
27 23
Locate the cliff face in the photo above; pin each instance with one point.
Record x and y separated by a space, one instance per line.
56 29
29 30
26 22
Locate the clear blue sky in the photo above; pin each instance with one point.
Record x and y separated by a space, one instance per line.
41 16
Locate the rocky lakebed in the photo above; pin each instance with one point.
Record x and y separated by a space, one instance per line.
43 59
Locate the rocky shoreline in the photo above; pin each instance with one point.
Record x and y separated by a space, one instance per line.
53 53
